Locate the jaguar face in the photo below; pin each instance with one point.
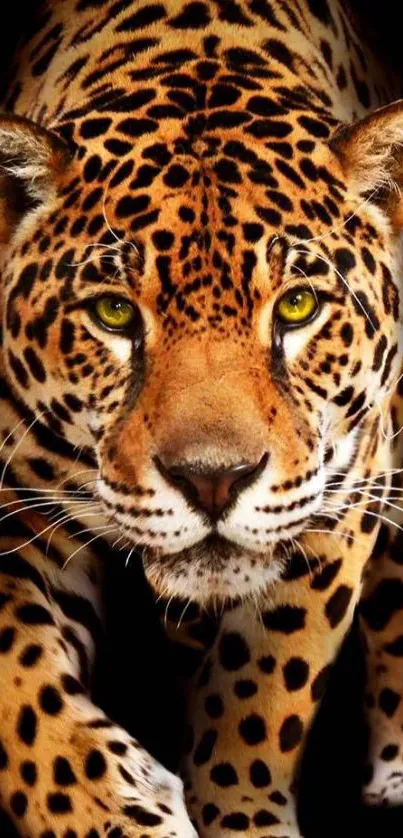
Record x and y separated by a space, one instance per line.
217 341
236 432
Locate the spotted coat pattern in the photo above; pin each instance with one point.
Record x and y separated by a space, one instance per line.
196 161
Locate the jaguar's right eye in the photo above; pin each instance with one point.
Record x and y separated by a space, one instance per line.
114 313
297 307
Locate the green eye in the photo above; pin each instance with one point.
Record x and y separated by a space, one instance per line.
297 306
114 313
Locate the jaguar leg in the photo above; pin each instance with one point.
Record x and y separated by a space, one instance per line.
65 768
253 703
382 628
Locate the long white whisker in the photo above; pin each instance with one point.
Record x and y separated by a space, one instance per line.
365 500
313 289
387 437
337 227
129 555
299 547
77 516
11 433
112 232
89 529
344 535
38 505
74 476
358 508
20 502
20 441
27 543
166 610
61 492
183 613
377 476
343 279
87 544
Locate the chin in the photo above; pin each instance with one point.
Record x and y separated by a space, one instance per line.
214 571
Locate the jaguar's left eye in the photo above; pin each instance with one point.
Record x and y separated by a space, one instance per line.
297 307
114 313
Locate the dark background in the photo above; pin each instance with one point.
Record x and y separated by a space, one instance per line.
379 21
135 652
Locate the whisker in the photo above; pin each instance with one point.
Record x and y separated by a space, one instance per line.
161 595
128 557
48 498
166 609
335 533
102 257
74 476
38 505
343 279
112 232
67 518
337 227
358 508
387 437
313 289
380 474
370 498
89 529
11 433
87 544
27 543
20 441
301 549
183 613
43 491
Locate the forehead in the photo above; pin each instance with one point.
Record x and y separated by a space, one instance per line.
208 147
211 204
224 178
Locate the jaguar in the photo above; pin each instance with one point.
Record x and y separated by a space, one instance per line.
200 223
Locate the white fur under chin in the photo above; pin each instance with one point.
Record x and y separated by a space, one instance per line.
239 580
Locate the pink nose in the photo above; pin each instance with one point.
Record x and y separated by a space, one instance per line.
212 491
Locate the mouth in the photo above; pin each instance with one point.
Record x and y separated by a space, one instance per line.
218 550
214 570
215 549
235 558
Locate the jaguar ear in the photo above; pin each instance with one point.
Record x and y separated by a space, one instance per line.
31 160
371 154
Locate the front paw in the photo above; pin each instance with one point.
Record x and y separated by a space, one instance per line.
142 797
156 800
384 786
92 782
242 817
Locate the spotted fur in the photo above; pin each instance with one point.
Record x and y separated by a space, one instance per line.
197 160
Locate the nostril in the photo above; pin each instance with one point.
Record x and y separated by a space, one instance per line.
195 486
243 475
174 473
210 490
177 475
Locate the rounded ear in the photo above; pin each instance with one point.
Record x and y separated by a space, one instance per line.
371 154
31 159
